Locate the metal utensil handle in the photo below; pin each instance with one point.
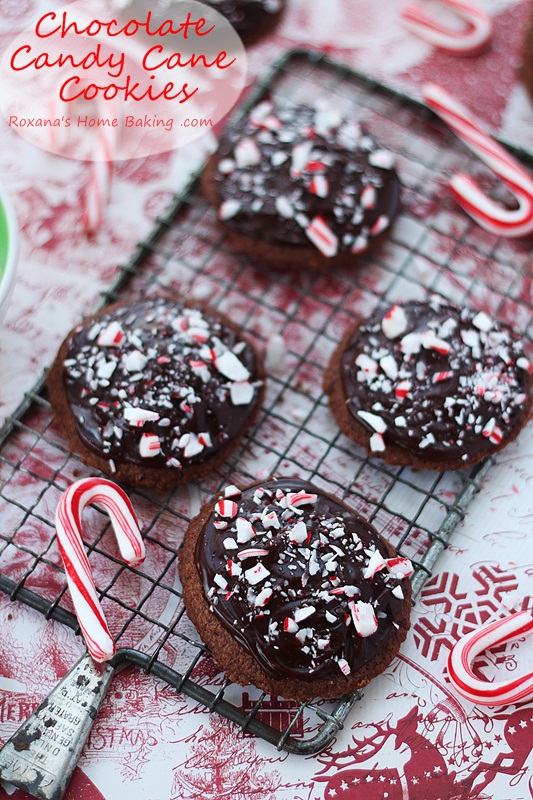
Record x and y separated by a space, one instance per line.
41 756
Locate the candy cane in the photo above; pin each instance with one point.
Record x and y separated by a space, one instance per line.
79 577
464 43
98 188
491 216
515 690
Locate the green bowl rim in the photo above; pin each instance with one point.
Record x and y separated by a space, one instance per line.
8 261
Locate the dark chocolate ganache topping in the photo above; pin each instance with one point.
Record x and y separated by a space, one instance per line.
247 16
159 383
306 176
303 583
442 382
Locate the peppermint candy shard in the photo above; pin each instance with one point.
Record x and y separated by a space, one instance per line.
149 445
364 618
263 597
373 421
376 563
241 393
245 530
232 491
227 509
394 323
289 625
256 574
377 443
111 336
320 234
399 566
344 666
252 552
297 499
230 366
298 534
138 416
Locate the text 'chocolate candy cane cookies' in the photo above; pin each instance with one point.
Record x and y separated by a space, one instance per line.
426 384
302 187
155 392
292 591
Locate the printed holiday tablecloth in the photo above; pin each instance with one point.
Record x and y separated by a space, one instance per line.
412 736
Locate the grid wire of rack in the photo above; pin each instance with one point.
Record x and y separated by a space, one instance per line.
433 248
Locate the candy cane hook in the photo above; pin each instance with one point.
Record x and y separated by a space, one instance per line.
490 215
463 43
481 692
80 581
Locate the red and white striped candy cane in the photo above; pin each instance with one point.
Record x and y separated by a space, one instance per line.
465 42
514 690
490 215
80 581
99 185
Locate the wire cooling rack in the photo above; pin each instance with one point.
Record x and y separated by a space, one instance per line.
433 248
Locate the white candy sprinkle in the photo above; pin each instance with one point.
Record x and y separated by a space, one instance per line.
381 158
226 166
368 197
229 209
389 366
284 207
247 153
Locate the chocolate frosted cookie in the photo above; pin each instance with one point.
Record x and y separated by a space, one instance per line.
293 591
430 385
155 392
302 187
250 18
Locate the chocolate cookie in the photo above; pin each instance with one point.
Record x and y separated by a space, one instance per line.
302 187
155 392
250 18
430 385
292 591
